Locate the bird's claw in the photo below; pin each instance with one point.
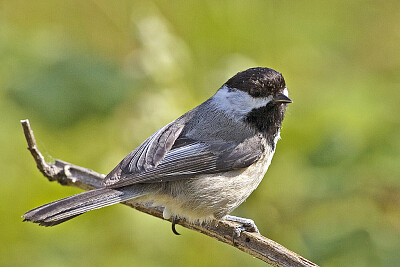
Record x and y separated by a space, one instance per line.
248 227
174 221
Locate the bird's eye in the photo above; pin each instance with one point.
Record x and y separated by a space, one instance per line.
255 92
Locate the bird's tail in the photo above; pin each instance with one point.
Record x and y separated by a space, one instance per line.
67 208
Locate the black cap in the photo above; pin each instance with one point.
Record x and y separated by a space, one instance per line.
258 82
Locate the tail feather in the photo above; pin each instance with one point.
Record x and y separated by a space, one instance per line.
67 208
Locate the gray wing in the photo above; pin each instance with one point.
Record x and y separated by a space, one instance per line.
149 154
186 158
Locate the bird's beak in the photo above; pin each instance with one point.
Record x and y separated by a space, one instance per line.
281 98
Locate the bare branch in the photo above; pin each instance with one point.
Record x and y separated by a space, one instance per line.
252 243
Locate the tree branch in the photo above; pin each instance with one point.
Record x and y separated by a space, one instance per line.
251 243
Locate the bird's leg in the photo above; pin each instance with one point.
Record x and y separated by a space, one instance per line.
247 224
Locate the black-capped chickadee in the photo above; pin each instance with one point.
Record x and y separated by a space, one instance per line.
202 165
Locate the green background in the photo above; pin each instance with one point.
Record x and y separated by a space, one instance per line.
96 78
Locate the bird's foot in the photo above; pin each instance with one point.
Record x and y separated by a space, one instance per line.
247 225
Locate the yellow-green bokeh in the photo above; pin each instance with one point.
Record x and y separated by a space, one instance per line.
96 78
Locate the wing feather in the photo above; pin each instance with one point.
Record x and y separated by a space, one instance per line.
184 158
147 155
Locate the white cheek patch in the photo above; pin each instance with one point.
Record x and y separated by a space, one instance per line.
286 92
236 102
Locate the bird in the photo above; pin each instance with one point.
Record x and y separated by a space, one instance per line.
199 167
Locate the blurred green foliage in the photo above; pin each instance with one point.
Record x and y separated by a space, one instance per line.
97 77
